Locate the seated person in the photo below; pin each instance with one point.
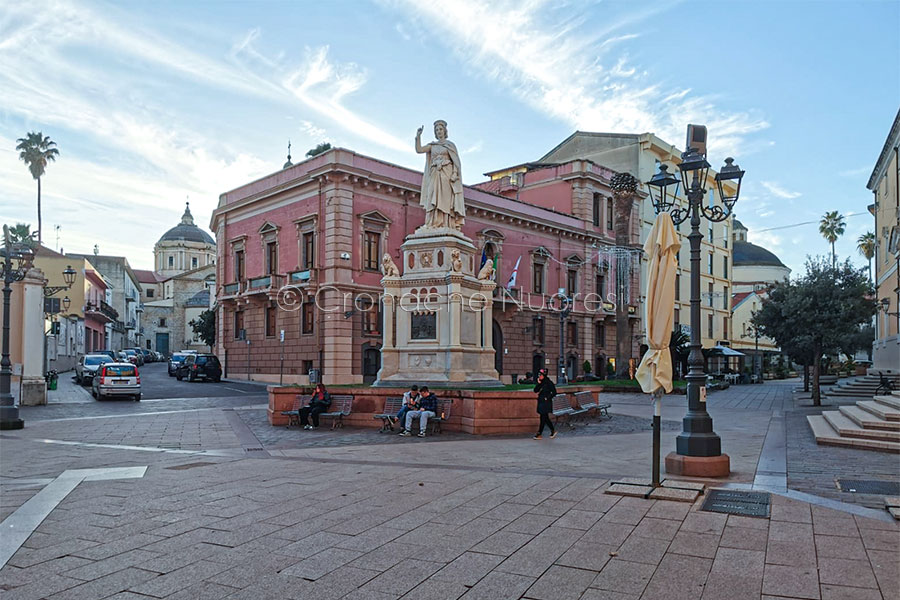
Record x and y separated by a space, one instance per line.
427 408
410 399
319 403
529 378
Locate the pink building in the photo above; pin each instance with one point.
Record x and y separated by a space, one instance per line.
300 251
97 313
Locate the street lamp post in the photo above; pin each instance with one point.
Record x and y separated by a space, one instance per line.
698 447
22 253
565 310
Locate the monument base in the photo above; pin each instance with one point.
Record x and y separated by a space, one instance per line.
698 466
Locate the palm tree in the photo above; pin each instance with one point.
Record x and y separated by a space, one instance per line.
866 246
624 186
832 227
36 151
21 233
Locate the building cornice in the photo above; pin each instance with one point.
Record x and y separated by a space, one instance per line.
893 139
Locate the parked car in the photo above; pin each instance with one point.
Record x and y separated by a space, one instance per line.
149 357
117 379
139 354
111 354
131 356
199 366
160 357
174 361
88 365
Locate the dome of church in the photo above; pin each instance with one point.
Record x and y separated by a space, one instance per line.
186 231
747 254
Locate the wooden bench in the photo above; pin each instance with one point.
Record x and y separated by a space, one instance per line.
440 415
341 406
562 408
585 401
293 415
392 406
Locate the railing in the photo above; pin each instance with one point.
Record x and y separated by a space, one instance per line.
109 311
130 324
264 283
130 297
300 276
139 307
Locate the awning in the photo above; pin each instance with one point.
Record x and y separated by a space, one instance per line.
724 351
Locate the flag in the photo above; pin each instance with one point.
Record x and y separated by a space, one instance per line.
494 275
483 257
515 273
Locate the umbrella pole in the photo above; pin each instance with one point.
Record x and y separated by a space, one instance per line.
657 401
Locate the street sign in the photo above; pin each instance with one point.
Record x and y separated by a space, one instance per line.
282 336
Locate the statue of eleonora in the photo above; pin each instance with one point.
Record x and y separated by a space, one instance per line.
442 188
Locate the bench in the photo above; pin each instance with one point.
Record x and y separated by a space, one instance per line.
294 414
441 414
562 408
341 406
585 402
392 406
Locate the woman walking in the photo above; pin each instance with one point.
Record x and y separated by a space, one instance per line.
319 403
545 391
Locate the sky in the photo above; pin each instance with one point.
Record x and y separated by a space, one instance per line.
155 103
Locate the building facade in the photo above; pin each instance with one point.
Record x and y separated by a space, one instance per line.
125 300
183 248
885 186
641 155
300 252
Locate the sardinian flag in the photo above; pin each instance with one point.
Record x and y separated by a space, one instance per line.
512 278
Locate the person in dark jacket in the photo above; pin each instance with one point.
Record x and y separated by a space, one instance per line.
426 409
319 403
545 391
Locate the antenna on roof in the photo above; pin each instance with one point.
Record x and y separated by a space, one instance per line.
96 250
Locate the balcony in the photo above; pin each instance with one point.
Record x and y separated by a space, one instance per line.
264 284
101 311
130 324
139 307
130 297
231 289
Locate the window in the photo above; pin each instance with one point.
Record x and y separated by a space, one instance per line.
309 318
709 322
726 299
572 282
307 366
272 258
572 333
537 277
678 286
709 263
537 330
599 335
149 293
724 327
238 324
309 251
711 235
710 294
725 236
609 214
371 318
148 345
725 267
162 322
171 261
194 262
271 316
601 287
677 317
597 208
239 265
371 260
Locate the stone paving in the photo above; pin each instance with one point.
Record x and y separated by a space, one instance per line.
386 518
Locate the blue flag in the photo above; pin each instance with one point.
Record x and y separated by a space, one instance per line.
483 257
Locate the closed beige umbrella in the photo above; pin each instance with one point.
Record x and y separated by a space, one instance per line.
655 371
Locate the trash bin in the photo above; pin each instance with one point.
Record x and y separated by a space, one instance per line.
52 379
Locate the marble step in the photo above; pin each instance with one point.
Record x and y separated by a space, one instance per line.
893 400
846 427
880 410
827 436
868 420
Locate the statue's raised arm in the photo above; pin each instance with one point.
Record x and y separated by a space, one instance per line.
442 188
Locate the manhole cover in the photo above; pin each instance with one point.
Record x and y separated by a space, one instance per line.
870 486
189 466
734 502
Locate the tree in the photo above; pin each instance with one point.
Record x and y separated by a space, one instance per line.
816 312
861 339
866 246
319 149
623 186
679 348
21 233
205 327
36 150
832 227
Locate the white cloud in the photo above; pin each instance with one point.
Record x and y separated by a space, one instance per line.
776 190
855 172
547 59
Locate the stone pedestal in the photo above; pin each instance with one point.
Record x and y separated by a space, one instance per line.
438 315
34 392
698 466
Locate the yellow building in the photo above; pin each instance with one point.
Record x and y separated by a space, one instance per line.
885 186
641 155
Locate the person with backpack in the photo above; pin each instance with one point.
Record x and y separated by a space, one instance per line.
546 390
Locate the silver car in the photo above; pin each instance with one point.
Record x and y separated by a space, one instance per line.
117 379
87 367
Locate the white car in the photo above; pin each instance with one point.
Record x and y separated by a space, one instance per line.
117 379
87 366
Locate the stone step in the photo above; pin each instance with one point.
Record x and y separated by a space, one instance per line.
880 410
847 427
868 420
891 401
896 393
827 436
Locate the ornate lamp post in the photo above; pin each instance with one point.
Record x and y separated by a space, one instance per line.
565 309
22 255
698 448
